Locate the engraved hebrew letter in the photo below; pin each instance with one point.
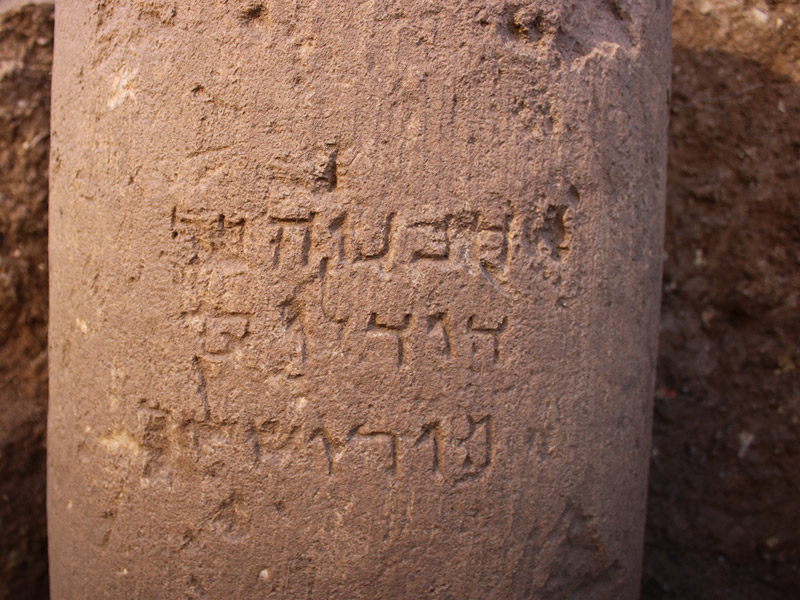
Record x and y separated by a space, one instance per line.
429 240
294 336
220 332
327 443
439 339
207 233
334 307
372 236
476 447
393 331
369 441
292 245
274 436
491 243
431 433
486 335
329 239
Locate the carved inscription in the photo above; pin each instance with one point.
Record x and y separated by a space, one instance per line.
308 277
391 331
219 332
379 287
475 443
486 334
372 237
452 450
383 441
456 449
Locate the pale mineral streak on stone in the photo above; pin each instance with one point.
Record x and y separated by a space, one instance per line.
122 87
120 441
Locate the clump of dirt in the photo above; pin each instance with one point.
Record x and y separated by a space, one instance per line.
723 515
26 48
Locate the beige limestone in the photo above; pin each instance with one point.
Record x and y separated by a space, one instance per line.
354 299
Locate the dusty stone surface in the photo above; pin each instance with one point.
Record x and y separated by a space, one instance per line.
723 516
26 37
356 300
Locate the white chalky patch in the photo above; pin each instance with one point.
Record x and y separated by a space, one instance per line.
122 87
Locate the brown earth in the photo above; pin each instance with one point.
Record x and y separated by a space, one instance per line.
26 46
723 514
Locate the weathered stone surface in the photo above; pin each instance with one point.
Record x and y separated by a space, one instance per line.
354 300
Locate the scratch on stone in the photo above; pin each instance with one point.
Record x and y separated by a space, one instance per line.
201 386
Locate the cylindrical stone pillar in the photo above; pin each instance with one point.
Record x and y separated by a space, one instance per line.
354 299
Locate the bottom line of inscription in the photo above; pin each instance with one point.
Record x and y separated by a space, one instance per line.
457 449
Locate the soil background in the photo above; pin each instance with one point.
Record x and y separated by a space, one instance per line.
26 50
723 513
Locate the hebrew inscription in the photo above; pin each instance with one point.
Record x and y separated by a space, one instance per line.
455 450
372 287
282 293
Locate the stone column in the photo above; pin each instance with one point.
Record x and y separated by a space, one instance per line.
354 299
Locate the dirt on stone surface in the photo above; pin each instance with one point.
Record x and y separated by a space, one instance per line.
723 515
26 47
